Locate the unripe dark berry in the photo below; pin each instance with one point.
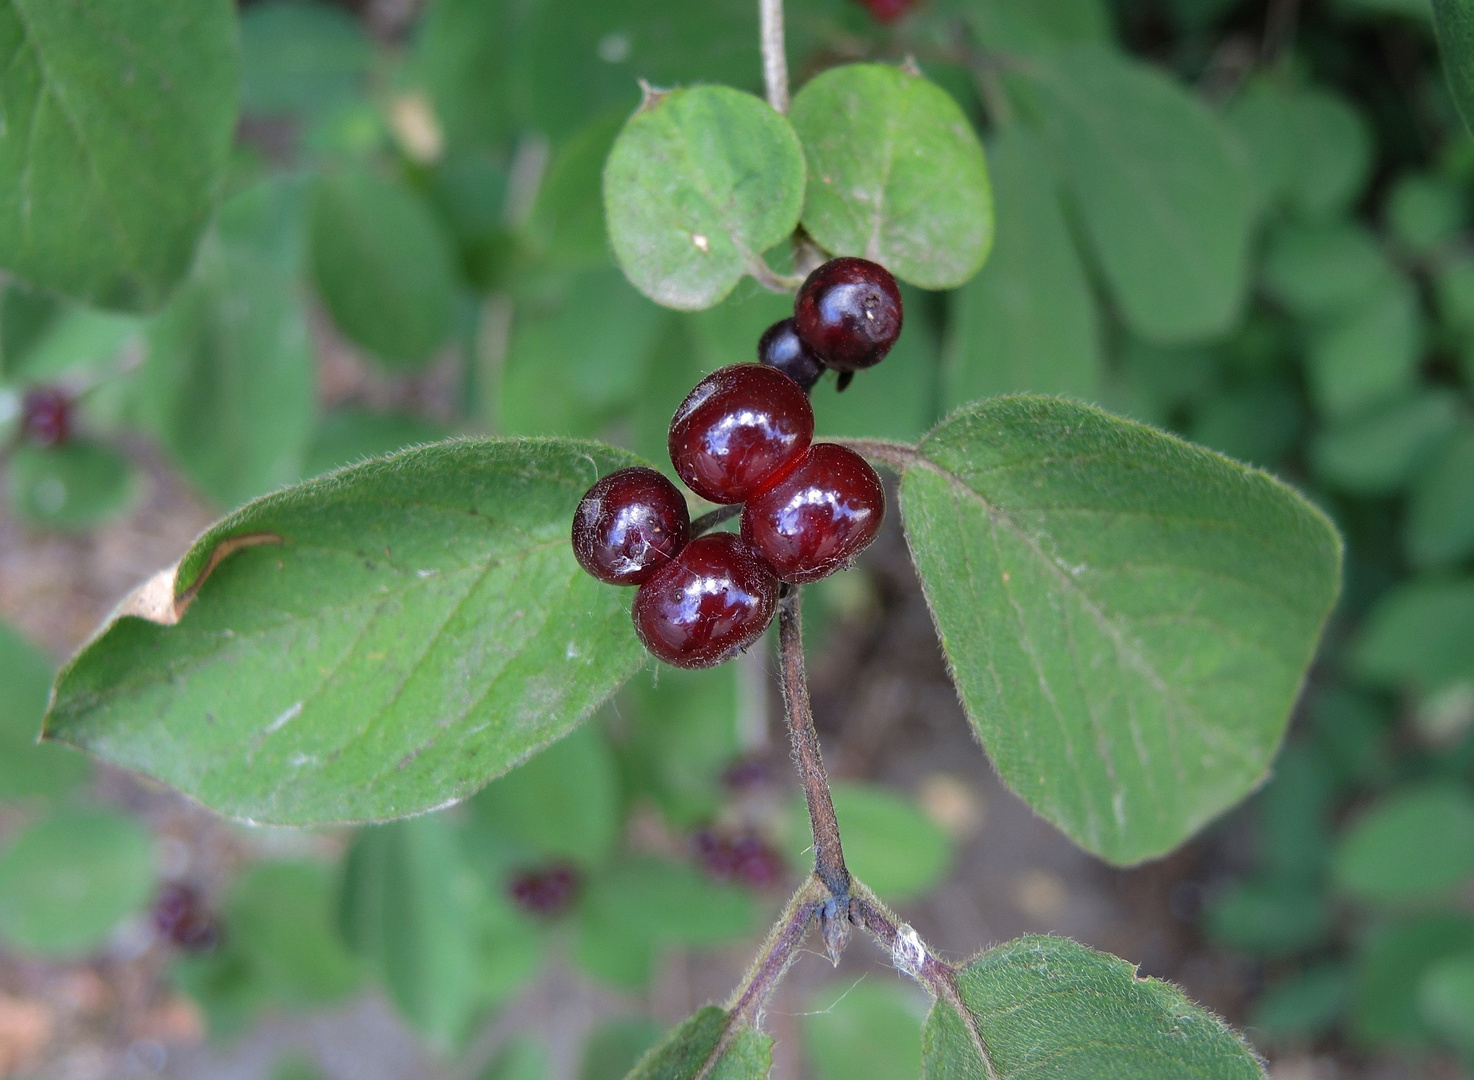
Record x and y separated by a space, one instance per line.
819 516
780 347
46 416
180 916
742 426
745 859
629 525
547 891
713 601
887 11
849 312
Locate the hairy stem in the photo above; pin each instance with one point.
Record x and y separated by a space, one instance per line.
712 518
775 59
778 952
828 855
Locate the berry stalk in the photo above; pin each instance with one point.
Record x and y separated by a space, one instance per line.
829 863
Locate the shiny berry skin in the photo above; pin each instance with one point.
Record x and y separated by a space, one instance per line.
711 603
818 517
46 416
180 916
780 347
742 426
629 525
849 313
547 891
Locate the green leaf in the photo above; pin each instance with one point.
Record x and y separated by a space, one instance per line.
872 1031
381 641
1453 21
27 769
71 487
1128 617
230 381
896 174
1333 154
383 266
1420 634
563 803
1034 26
1268 918
68 880
1322 269
637 907
1303 1007
73 339
1425 212
301 56
1367 352
1446 1000
1028 321
1046 1007
521 1059
678 732
613 1049
888 842
1390 965
577 358
1410 845
699 184
408 907
1259 424
567 219
1439 528
119 123
1375 451
687 1052
279 917
1163 191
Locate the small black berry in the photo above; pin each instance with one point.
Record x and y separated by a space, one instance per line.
780 347
181 917
547 891
46 416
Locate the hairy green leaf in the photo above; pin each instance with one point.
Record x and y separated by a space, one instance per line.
68 880
1049 1009
383 266
1128 617
1453 21
895 174
691 1050
1162 188
699 184
381 641
117 123
1027 322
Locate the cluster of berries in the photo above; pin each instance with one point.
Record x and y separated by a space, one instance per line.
46 416
546 891
743 859
181 917
743 436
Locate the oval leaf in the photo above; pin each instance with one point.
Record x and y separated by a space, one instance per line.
1411 845
118 122
1454 22
1050 1009
699 184
67 881
383 640
697 1049
26 769
1128 617
70 487
383 266
896 174
1162 188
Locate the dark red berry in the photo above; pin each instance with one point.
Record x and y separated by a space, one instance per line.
629 525
780 347
818 517
181 917
887 11
546 891
746 859
849 313
742 426
46 416
711 603
748 773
